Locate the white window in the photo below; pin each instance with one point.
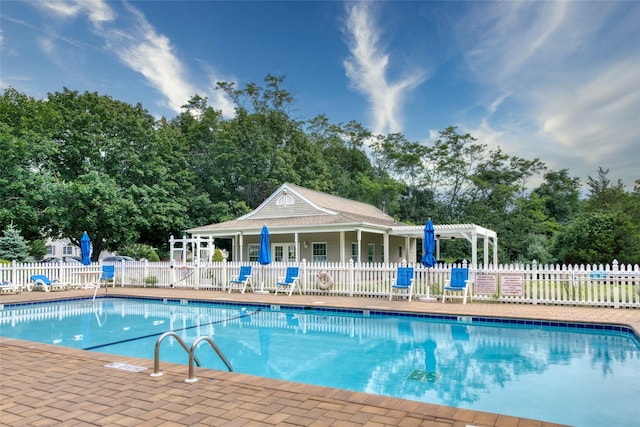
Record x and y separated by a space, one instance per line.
381 253
67 250
254 251
51 250
371 252
284 252
354 251
319 252
399 251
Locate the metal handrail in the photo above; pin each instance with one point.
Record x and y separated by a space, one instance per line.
156 353
193 379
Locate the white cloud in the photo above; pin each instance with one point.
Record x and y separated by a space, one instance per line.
367 69
151 54
571 72
599 120
98 11
46 45
135 42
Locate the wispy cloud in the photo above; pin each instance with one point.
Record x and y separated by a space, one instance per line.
142 49
536 52
136 43
98 11
368 66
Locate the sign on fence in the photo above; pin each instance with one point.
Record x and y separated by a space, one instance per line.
486 284
512 286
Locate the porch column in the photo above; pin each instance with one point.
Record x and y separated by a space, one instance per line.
474 249
241 239
342 251
495 251
359 246
486 251
407 249
385 239
296 242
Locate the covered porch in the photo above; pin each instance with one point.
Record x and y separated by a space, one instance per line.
340 243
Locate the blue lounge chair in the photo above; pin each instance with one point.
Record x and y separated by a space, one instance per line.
458 283
403 282
242 280
108 275
43 283
290 281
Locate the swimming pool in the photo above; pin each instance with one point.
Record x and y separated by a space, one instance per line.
566 373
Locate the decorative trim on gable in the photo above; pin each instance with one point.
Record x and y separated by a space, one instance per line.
286 202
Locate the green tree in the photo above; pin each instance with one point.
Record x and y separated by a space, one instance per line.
25 146
449 165
130 182
13 247
262 146
560 194
599 237
607 228
94 203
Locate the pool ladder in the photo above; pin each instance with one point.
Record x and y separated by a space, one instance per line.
192 357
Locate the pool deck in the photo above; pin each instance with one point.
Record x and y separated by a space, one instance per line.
44 385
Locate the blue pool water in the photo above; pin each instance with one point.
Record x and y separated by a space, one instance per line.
566 373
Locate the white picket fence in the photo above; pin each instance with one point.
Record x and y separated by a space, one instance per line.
611 285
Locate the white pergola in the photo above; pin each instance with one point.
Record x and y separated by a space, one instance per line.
470 232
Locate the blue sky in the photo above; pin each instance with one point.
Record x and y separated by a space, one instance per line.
559 81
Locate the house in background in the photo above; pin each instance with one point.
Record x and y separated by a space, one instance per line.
62 249
320 227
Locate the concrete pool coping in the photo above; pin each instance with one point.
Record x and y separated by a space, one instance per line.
50 385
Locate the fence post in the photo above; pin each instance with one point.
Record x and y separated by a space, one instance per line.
616 280
14 273
197 273
223 276
121 265
351 276
303 265
534 282
145 273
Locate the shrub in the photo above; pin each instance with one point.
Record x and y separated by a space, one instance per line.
218 256
139 251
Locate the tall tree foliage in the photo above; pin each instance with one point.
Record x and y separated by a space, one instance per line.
25 147
263 146
80 162
607 228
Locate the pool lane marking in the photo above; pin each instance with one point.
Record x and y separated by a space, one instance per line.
94 347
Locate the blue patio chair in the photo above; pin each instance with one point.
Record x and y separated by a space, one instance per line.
108 275
43 283
242 280
290 281
458 283
403 282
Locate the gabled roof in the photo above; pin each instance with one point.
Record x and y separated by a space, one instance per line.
292 207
